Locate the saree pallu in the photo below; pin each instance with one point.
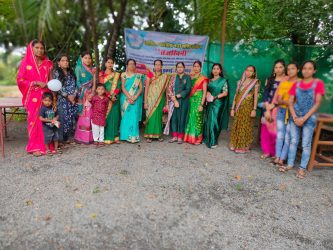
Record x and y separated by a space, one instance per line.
194 126
113 86
84 78
156 102
29 72
130 113
242 128
216 115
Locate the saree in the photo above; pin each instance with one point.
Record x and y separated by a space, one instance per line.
194 126
130 113
216 115
29 72
156 102
242 129
84 83
112 84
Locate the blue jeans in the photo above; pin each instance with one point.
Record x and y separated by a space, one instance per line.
282 135
307 133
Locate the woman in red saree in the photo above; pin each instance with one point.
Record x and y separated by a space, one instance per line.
34 73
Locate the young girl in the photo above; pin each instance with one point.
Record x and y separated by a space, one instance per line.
49 118
85 87
305 98
194 126
66 104
268 120
244 108
282 97
178 93
99 106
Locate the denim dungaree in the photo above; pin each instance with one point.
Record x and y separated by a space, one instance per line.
305 100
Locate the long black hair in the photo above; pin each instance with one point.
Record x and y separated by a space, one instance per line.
271 79
60 71
221 68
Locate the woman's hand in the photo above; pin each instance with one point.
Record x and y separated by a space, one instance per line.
232 113
41 84
71 98
145 106
113 98
268 116
253 113
173 98
200 109
299 121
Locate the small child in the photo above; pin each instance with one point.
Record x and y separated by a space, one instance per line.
100 106
49 119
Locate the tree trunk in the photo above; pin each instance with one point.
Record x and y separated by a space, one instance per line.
92 21
87 33
115 30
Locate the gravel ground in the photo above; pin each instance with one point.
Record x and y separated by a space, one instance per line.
158 196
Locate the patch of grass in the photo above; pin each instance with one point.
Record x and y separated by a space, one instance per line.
239 187
124 172
96 190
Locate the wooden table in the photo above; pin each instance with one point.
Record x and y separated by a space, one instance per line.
324 122
9 106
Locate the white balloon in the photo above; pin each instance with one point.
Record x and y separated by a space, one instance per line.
54 85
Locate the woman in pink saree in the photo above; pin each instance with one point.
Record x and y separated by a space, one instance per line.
34 73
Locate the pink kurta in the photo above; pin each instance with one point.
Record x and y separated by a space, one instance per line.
29 73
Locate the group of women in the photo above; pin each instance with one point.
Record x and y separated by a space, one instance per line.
197 107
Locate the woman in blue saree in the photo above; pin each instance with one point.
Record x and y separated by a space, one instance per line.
130 103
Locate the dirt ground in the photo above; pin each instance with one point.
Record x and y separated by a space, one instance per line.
158 196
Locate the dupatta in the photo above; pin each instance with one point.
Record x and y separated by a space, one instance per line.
245 89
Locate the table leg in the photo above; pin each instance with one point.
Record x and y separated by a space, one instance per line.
2 127
5 121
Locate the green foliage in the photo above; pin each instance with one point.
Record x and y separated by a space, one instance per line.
303 21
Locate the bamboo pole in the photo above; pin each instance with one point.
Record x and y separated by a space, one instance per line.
224 26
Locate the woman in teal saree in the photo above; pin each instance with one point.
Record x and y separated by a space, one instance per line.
217 115
84 83
130 103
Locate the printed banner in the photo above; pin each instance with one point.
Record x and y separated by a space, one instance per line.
147 46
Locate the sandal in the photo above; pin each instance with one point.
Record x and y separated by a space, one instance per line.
37 154
263 157
285 169
300 174
241 151
174 139
160 139
149 140
179 141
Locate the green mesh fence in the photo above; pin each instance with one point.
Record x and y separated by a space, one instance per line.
263 53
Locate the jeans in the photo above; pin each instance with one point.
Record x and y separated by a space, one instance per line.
307 133
282 135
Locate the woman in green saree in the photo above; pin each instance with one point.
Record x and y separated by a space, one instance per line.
112 82
154 102
194 126
217 115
